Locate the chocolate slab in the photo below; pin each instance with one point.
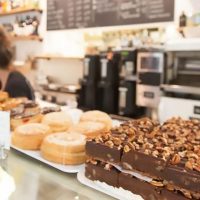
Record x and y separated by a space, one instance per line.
146 190
102 152
97 172
157 168
187 179
143 163
115 178
169 153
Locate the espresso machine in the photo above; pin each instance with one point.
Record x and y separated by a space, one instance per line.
150 69
107 97
127 88
91 76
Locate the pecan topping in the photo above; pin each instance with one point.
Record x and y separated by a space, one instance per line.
89 160
157 183
116 141
187 194
189 165
131 145
176 159
126 149
197 168
108 166
170 187
109 144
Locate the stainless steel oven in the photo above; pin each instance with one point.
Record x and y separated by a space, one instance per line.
183 70
181 88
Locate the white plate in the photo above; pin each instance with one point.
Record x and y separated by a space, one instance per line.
64 168
118 193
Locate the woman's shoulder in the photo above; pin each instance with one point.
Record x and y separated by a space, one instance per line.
16 76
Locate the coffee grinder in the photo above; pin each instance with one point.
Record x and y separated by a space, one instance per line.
109 82
91 75
127 89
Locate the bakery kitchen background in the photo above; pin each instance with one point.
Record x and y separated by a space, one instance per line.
101 99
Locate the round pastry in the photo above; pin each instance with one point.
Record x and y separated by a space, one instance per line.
11 103
19 110
89 129
23 118
3 96
57 121
97 116
30 136
64 148
47 110
31 107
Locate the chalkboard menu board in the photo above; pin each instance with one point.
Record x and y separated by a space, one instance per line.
70 14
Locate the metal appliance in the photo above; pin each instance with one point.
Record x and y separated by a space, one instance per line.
181 88
60 94
150 68
109 82
91 76
127 88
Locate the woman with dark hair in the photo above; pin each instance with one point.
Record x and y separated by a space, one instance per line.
11 80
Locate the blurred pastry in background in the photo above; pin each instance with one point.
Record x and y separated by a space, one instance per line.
3 96
20 118
89 128
47 110
97 116
58 121
30 136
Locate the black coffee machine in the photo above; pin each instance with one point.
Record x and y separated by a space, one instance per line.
127 89
91 77
109 82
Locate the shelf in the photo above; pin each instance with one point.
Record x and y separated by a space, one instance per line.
50 57
190 31
20 10
183 44
180 29
26 38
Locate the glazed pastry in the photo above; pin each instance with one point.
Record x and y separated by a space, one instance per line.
58 121
31 107
11 103
26 112
19 110
3 96
97 116
30 136
89 129
64 148
23 118
47 110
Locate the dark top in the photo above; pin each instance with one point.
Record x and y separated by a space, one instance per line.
18 86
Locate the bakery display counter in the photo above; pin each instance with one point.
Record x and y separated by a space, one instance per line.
35 180
109 157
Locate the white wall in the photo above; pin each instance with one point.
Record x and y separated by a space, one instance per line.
188 6
64 71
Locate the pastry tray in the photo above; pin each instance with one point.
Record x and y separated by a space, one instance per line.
75 115
64 168
118 193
